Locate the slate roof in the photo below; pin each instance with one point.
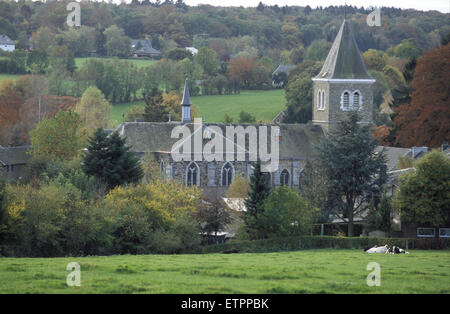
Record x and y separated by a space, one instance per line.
344 60
283 68
5 40
186 96
146 47
392 155
14 155
296 139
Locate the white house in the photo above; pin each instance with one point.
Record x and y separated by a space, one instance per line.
6 44
192 50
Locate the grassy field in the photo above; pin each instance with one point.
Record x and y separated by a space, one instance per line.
8 76
264 105
139 62
308 271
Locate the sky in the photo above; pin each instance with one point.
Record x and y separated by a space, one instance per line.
423 5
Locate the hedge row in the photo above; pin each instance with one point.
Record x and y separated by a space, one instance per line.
316 242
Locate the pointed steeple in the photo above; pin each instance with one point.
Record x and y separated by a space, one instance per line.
186 101
344 60
186 104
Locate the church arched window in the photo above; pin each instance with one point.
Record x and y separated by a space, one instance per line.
284 177
192 174
321 100
227 174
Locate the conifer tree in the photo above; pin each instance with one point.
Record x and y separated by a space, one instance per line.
259 191
110 161
356 173
155 109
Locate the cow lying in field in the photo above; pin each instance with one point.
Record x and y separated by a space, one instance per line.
385 249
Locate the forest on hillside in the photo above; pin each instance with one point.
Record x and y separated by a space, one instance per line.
238 48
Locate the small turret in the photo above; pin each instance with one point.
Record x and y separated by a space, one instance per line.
186 104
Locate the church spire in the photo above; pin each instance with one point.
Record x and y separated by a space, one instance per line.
186 104
344 60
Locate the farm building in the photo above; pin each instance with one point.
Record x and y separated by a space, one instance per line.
143 48
12 161
6 44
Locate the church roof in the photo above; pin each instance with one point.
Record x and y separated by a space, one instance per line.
186 96
296 140
344 60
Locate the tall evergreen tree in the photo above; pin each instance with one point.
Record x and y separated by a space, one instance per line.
110 161
355 171
259 191
155 109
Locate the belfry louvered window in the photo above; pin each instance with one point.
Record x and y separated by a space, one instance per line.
346 100
356 100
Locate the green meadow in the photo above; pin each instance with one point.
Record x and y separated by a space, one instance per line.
264 105
307 271
138 62
8 76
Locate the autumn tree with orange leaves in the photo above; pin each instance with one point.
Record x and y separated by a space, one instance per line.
426 120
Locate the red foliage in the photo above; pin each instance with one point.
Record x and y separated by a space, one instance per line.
426 121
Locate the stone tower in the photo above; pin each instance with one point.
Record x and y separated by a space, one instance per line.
343 84
186 104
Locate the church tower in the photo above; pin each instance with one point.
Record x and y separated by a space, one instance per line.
186 104
343 84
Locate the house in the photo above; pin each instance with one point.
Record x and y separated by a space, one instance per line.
6 44
281 71
192 50
12 161
143 48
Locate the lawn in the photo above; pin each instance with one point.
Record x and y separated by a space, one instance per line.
308 271
264 105
139 62
8 76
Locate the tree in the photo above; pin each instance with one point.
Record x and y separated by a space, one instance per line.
239 188
151 168
178 54
117 44
315 188
374 60
208 60
241 70
380 216
299 92
213 216
60 137
356 173
155 109
407 49
317 51
39 59
245 117
93 109
110 161
285 213
259 191
424 194
426 120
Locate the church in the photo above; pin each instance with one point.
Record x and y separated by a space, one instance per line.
343 84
